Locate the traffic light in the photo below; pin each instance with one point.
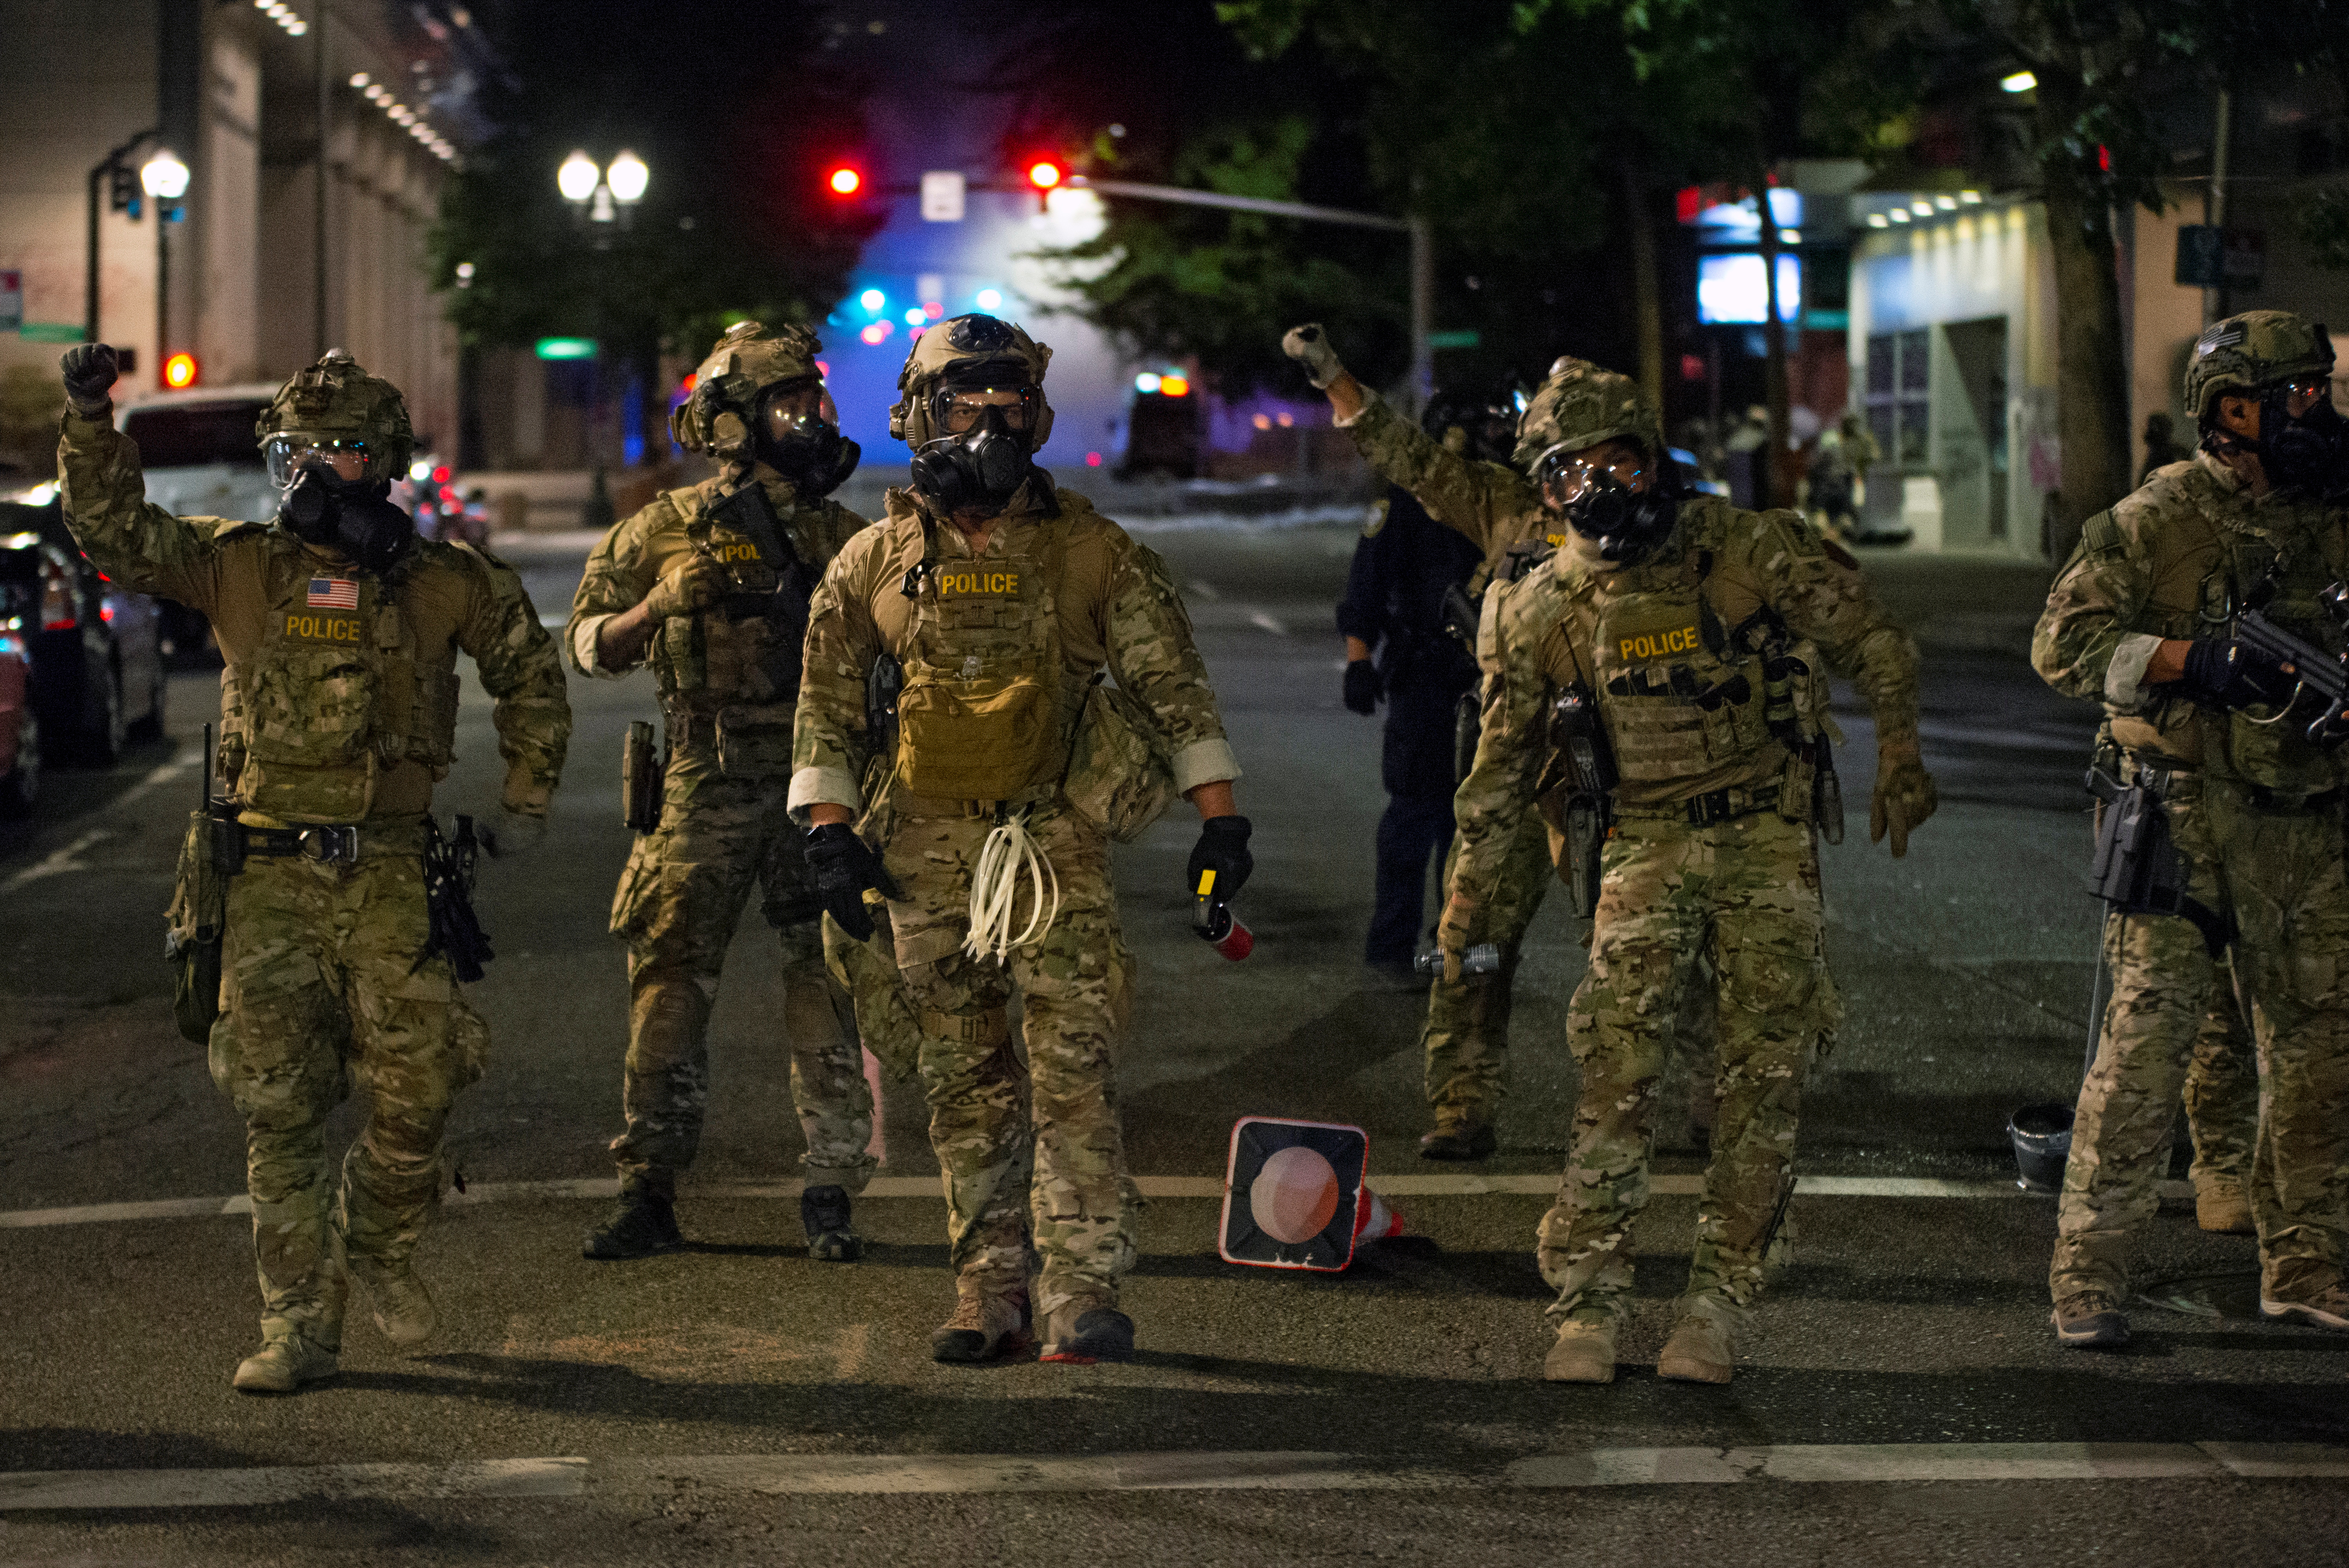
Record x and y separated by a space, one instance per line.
844 181
1044 174
179 370
123 193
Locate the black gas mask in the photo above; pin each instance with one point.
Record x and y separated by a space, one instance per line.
355 518
2306 453
1624 523
802 443
981 455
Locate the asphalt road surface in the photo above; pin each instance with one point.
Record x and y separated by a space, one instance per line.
1901 1397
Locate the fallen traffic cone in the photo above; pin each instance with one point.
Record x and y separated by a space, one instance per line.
1295 1197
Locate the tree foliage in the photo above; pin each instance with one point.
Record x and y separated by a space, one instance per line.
726 106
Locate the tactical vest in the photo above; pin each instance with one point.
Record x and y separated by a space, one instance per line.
2206 566
1678 699
983 715
746 649
337 693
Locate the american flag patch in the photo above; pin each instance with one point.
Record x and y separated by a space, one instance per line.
333 593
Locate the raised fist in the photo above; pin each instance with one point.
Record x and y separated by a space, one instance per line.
1309 345
90 371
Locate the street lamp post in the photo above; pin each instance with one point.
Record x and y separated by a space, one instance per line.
103 173
165 180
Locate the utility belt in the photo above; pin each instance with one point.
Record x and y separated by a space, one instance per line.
1708 810
2137 869
907 803
2186 783
327 843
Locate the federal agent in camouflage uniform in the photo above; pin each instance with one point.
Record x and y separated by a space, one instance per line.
2141 619
1464 1041
710 584
341 629
1002 601
1676 633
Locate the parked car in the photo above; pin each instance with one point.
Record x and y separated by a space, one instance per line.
20 727
97 673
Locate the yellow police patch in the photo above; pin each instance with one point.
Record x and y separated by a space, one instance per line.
977 580
730 551
309 626
1670 642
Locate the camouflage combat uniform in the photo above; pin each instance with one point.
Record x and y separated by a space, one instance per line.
1711 854
2255 811
728 681
1464 1041
1063 593
341 716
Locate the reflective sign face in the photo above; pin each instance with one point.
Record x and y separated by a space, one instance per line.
1291 1194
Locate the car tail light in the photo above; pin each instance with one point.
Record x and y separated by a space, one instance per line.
57 612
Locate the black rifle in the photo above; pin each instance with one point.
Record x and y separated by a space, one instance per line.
786 607
2326 674
449 899
1460 614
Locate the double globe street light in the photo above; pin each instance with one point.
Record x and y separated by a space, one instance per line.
603 195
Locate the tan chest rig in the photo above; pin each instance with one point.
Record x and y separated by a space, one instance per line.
334 699
1681 698
980 718
2241 565
746 648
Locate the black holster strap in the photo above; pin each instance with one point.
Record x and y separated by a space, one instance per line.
1710 810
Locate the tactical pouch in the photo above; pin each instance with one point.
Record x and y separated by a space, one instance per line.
1120 778
1579 740
198 923
1826 792
1579 860
753 745
640 779
987 738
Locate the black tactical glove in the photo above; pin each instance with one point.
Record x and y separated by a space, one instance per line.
1361 686
90 371
2225 673
843 868
2331 728
1222 848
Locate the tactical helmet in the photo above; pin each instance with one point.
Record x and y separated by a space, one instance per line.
964 348
2258 348
1581 404
337 401
746 360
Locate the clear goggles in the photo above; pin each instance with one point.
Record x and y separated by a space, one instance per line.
782 408
959 411
1566 477
345 458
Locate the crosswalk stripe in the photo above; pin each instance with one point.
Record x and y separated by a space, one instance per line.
1177 1470
1439 1185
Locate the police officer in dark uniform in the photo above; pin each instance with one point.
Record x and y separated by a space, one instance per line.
1398 648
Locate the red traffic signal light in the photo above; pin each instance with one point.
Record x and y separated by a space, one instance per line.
844 181
179 370
1044 174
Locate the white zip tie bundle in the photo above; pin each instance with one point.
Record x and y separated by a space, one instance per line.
1007 857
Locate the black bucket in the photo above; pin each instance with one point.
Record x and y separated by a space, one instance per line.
2043 1143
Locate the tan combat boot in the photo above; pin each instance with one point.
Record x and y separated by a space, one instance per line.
2222 1207
287 1359
1456 1137
1704 1345
398 1301
986 1324
1585 1353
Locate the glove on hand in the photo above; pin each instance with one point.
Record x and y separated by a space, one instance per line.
1457 932
693 587
1223 848
844 868
513 835
2331 730
1361 686
2225 673
90 371
1309 346
1905 797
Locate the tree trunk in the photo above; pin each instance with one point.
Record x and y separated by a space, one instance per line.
2090 376
1773 485
1646 289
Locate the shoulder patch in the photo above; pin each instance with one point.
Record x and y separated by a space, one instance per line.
1375 519
2101 535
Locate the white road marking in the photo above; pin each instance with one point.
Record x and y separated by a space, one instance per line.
1270 622
155 778
782 1475
58 862
1205 589
1439 1185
